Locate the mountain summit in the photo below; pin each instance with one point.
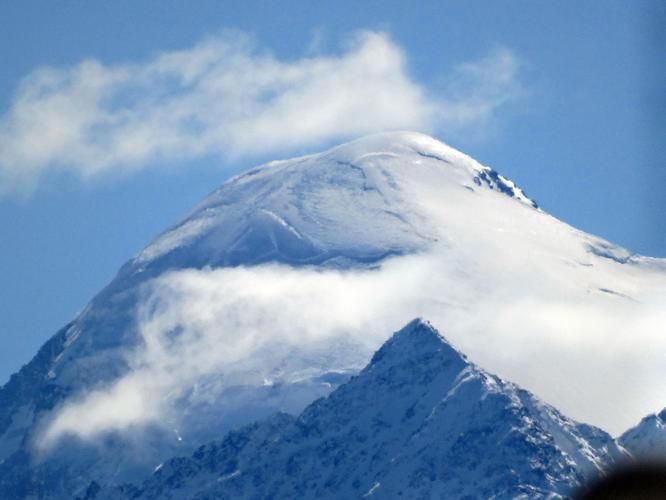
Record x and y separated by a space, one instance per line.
283 282
647 440
419 421
350 203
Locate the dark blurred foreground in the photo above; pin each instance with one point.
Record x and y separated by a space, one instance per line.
645 481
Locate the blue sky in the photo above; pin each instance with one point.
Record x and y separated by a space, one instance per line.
563 98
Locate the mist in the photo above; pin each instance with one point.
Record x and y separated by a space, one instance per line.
197 324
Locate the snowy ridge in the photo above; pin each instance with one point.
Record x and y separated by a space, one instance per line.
419 421
647 440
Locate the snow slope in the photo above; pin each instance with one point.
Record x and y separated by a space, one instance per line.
195 337
647 440
420 421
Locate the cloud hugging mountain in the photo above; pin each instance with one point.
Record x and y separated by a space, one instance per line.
282 284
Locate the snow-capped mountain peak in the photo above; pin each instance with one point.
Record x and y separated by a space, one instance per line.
647 440
293 210
418 422
285 280
418 339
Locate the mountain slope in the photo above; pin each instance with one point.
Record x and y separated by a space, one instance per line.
196 335
419 421
647 440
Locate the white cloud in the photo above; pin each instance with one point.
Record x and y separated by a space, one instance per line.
198 323
226 97
236 323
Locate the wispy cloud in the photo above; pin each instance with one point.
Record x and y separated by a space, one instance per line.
474 91
227 97
243 324
198 323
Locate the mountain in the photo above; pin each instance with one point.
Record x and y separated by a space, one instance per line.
420 421
647 440
281 284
